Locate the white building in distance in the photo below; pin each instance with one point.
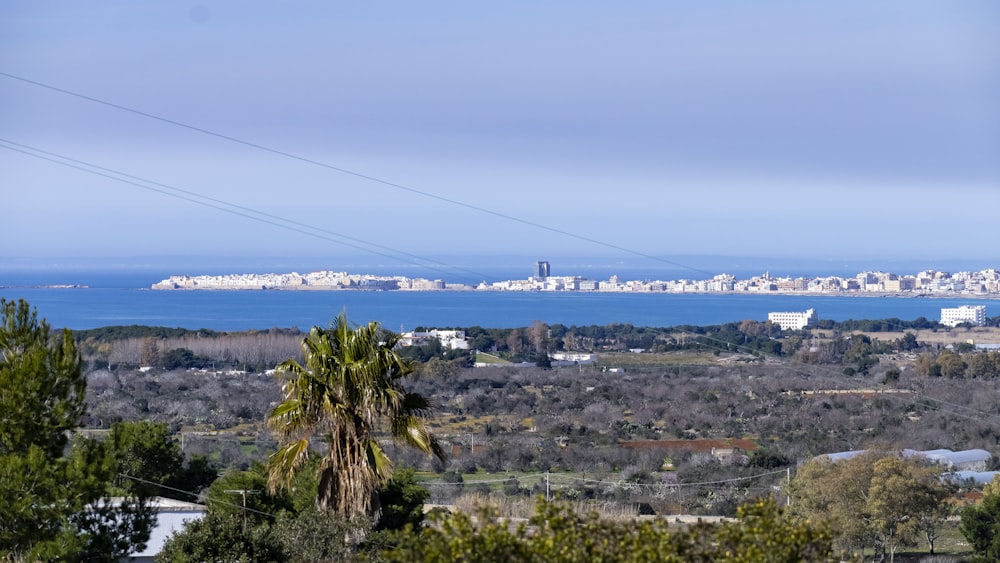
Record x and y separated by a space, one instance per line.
793 320
972 314
451 339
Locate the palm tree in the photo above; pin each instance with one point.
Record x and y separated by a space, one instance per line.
347 393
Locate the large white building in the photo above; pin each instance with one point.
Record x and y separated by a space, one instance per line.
793 320
972 314
451 339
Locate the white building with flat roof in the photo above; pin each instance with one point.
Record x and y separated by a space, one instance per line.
975 315
793 320
451 339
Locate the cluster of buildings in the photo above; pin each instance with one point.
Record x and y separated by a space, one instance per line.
974 315
321 280
983 282
926 282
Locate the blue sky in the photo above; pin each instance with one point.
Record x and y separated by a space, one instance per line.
851 129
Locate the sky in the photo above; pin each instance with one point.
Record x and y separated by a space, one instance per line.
413 131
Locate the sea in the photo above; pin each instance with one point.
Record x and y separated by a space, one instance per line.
123 297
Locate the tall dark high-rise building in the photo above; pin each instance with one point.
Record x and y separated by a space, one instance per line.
541 269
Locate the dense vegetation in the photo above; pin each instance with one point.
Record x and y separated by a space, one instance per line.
667 420
557 534
131 347
877 499
347 394
56 494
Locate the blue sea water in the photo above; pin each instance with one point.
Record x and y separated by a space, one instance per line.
121 299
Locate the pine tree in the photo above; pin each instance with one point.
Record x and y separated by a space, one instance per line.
53 499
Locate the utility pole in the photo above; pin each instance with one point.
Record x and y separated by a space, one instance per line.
243 493
546 485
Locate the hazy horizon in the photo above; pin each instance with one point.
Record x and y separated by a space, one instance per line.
465 267
853 131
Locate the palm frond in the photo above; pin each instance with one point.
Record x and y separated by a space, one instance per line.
380 462
416 404
413 431
286 367
347 390
283 464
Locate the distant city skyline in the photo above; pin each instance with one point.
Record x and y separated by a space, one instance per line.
926 282
647 132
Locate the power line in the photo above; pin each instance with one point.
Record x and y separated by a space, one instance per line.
616 482
367 177
476 482
281 220
193 494
243 493
306 229
335 168
226 207
666 484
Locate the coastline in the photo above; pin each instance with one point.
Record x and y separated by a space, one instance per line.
470 289
237 310
984 284
846 294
